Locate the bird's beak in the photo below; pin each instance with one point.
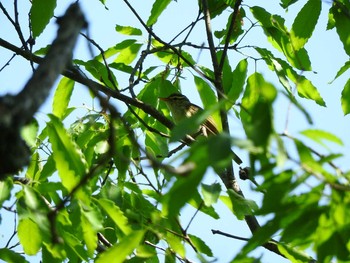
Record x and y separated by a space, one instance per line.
163 99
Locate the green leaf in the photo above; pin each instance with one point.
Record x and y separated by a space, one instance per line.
345 98
197 202
211 193
257 114
343 69
40 14
185 187
157 9
29 235
208 98
319 136
284 72
128 54
261 236
34 168
5 190
69 159
7 255
186 126
305 22
201 245
115 214
74 247
29 132
182 191
340 12
127 69
239 76
91 223
155 144
172 58
240 206
237 29
219 151
100 72
282 69
307 90
310 164
217 7
170 256
286 3
278 35
62 97
128 30
120 251
176 244
293 254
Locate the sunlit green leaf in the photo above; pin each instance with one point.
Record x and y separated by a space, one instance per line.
74 246
340 13
128 55
257 114
100 72
320 135
279 36
293 254
343 69
115 214
40 14
29 235
305 22
176 244
201 245
309 163
70 162
307 90
208 98
240 206
239 76
345 98
29 133
91 222
157 9
5 190
122 249
7 255
156 144
128 30
172 58
211 193
62 97
34 168
197 202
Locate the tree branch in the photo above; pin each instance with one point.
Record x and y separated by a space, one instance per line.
18 110
230 32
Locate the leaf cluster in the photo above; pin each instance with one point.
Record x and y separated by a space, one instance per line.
111 183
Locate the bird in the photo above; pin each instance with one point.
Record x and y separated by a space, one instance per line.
181 107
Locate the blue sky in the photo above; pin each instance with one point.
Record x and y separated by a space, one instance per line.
325 51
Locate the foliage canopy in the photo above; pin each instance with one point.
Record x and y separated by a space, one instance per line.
111 183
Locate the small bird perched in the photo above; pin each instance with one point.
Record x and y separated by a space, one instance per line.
181 107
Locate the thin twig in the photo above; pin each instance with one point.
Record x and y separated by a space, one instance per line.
229 235
230 32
